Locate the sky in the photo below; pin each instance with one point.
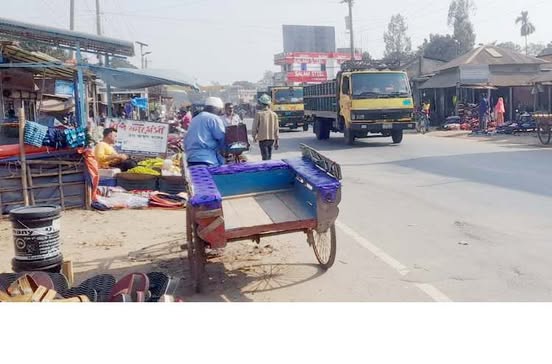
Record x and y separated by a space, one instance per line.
228 40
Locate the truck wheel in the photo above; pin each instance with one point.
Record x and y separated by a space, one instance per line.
305 126
349 136
397 136
322 130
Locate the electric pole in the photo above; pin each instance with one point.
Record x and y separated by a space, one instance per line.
350 4
98 18
72 15
142 54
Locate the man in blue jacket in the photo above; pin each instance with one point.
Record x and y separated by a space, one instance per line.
205 138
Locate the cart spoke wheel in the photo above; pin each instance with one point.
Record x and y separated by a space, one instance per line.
544 132
324 245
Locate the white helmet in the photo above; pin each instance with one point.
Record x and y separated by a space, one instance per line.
214 102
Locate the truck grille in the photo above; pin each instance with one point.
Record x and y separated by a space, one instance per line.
372 115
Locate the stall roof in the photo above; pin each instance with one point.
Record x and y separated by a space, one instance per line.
65 38
130 78
19 57
451 79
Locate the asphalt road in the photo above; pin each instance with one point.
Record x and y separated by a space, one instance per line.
434 219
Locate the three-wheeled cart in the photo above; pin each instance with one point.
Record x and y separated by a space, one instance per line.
249 201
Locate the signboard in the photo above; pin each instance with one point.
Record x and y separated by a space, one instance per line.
306 38
141 137
474 74
64 88
307 76
311 57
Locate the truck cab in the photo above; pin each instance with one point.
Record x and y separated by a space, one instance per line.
287 103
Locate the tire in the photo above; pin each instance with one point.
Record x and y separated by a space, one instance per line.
196 257
544 132
325 258
397 136
349 136
305 126
322 130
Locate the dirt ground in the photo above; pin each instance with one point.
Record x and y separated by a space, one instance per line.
125 241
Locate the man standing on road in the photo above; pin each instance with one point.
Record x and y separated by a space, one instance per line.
266 129
483 113
230 117
205 138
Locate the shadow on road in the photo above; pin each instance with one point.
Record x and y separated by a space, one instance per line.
528 171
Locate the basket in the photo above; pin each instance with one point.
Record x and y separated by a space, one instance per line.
134 181
172 184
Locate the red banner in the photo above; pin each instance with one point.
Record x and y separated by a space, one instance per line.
307 76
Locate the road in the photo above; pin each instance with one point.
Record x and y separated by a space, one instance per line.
442 219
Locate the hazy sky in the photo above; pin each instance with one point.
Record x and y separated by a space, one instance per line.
219 40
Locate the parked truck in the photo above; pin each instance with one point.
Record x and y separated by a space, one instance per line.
287 102
363 101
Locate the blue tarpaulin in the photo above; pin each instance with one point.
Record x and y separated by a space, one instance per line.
130 78
140 102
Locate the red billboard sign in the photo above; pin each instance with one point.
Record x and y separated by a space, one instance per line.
307 76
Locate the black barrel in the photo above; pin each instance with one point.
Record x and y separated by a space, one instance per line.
36 238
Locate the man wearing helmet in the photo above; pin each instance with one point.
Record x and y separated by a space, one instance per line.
266 129
205 137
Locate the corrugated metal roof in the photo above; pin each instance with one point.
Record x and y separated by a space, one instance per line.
65 38
546 52
491 55
130 78
451 79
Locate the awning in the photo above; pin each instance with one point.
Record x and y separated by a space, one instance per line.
130 78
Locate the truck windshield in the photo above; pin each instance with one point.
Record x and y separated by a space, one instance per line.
287 96
380 85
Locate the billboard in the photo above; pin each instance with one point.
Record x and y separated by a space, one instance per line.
306 38
307 76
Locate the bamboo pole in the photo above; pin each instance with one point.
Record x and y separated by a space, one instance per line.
23 156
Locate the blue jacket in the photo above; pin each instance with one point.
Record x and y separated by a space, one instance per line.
205 139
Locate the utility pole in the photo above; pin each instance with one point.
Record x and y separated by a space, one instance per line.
350 4
72 15
72 20
98 18
142 54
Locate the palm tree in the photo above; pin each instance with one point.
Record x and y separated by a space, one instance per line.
527 28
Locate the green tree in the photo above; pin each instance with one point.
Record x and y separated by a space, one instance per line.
442 47
398 46
534 49
459 19
527 28
510 45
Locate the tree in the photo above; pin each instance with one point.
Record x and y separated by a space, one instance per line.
510 45
398 46
366 56
459 19
442 47
534 49
121 63
527 28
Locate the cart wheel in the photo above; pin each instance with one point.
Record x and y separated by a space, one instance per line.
324 246
196 257
544 132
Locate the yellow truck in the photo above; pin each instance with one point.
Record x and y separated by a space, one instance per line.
363 101
287 102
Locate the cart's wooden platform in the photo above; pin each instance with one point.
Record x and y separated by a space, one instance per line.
265 212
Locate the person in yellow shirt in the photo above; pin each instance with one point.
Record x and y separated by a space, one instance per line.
106 155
